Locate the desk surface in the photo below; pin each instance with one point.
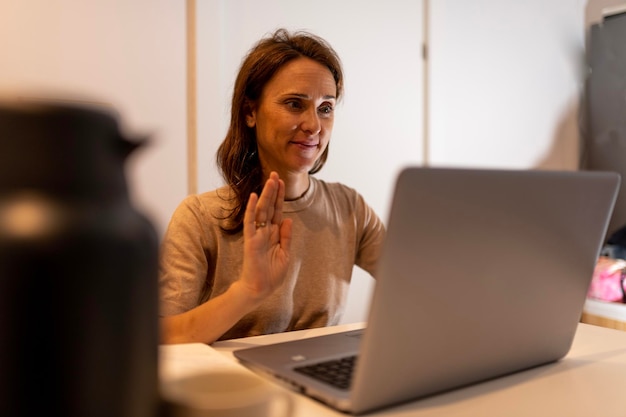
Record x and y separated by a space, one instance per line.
589 381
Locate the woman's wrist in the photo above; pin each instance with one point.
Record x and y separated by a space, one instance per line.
247 295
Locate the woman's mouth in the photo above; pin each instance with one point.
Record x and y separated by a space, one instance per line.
306 145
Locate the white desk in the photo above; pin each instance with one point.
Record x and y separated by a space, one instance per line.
605 313
589 381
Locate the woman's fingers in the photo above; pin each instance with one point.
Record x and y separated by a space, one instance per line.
278 204
266 209
267 238
249 217
285 235
267 201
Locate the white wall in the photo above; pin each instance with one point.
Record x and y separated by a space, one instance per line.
506 79
128 54
378 125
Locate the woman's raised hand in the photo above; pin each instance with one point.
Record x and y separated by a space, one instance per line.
267 237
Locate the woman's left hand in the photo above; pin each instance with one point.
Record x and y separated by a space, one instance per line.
267 237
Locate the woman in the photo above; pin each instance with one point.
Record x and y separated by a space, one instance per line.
273 250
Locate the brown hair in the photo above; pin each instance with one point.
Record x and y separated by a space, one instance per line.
237 157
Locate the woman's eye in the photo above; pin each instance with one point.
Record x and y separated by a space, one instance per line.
326 109
294 104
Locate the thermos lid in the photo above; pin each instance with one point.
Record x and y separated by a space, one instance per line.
64 148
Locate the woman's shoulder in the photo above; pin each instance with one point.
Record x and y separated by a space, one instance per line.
214 202
218 195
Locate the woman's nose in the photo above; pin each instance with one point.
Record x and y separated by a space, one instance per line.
311 122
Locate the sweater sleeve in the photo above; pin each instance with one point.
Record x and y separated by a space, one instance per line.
371 236
183 265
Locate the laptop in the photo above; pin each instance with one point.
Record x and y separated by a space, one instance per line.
483 273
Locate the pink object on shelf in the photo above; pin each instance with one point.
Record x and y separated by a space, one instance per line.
608 283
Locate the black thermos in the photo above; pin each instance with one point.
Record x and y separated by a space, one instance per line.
78 268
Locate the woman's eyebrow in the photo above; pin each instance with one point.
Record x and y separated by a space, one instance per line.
306 96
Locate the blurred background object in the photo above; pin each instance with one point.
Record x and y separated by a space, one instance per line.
78 267
605 143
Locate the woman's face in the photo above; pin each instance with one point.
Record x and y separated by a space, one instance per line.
294 116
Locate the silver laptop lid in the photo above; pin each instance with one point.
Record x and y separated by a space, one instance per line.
484 273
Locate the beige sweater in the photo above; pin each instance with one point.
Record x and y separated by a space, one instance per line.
333 230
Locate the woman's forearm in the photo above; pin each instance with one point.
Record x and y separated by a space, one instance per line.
210 320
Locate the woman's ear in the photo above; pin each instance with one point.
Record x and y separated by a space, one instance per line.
250 112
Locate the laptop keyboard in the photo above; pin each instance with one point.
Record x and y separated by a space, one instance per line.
337 372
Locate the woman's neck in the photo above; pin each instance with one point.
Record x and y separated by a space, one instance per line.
295 186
